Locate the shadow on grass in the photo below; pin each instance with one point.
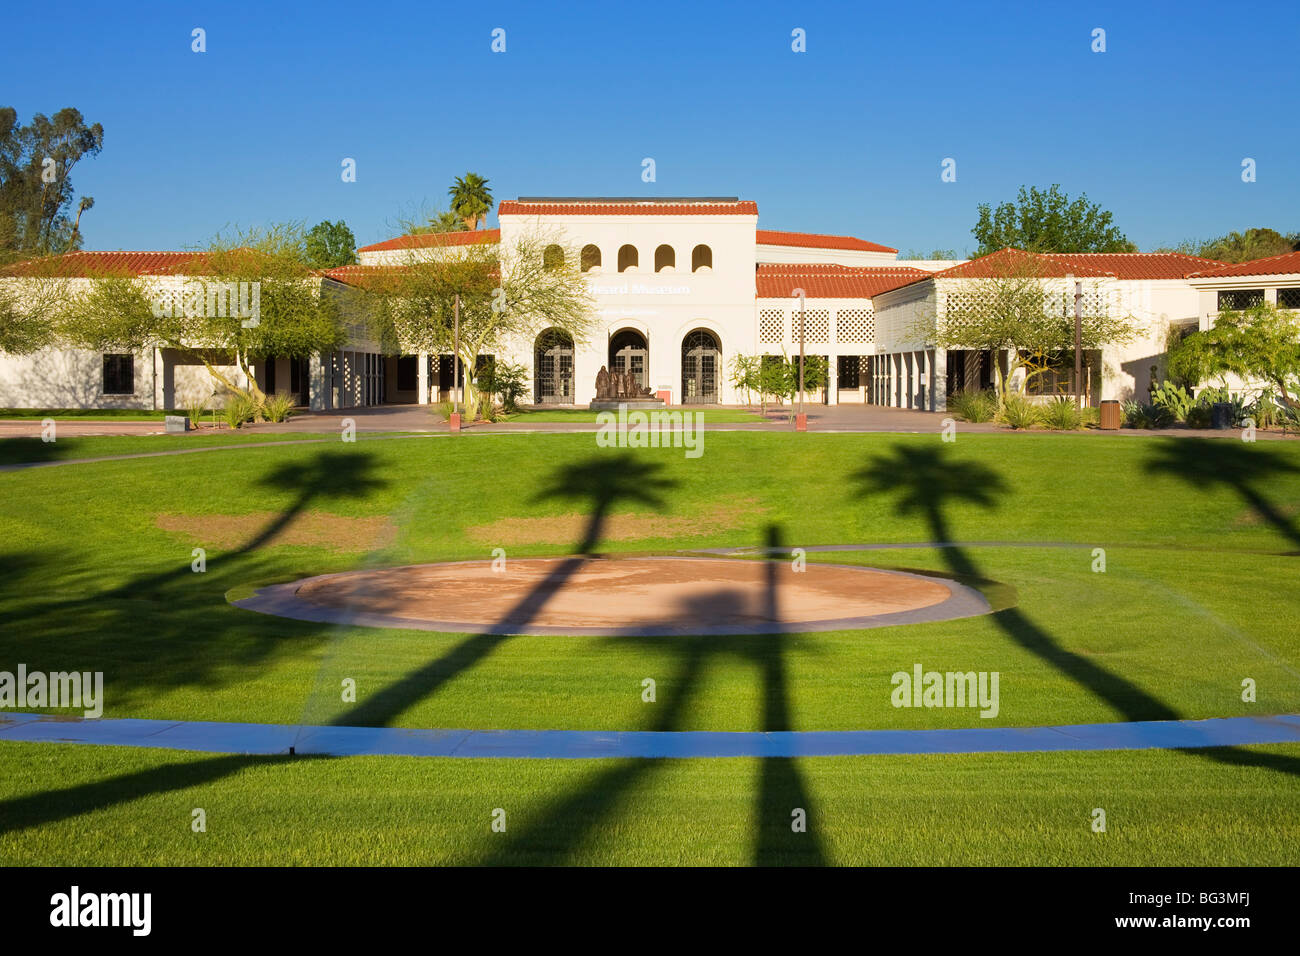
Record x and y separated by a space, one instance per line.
927 483
562 828
37 809
1242 467
600 483
168 628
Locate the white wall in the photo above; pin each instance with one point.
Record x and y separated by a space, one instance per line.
664 306
808 254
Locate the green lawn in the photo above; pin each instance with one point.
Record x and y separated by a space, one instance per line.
1201 540
80 806
18 450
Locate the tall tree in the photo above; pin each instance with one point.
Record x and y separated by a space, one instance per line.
330 244
471 199
1048 221
36 191
1021 315
1248 245
1262 342
245 297
501 293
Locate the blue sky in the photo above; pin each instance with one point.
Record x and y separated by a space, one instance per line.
845 138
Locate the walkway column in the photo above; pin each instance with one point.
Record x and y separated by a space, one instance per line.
939 380
832 380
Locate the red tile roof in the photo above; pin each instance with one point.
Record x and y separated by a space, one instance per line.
628 207
84 263
1287 263
1140 265
1085 265
1011 261
428 240
813 240
832 281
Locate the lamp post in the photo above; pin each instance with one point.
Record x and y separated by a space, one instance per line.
801 423
1078 339
454 423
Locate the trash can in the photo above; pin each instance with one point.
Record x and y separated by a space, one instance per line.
1221 415
1110 414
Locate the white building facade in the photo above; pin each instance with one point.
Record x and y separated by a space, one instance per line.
681 286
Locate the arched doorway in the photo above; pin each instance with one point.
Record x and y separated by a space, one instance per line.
701 366
553 368
629 352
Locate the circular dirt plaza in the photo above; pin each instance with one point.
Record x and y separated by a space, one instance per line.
621 596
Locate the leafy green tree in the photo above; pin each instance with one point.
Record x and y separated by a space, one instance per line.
1262 342
745 371
1249 245
1016 316
246 297
33 296
471 200
777 376
476 299
1048 221
36 163
330 244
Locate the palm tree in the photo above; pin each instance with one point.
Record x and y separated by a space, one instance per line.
86 203
471 199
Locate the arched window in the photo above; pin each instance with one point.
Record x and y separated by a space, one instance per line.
627 258
552 257
665 258
590 257
702 258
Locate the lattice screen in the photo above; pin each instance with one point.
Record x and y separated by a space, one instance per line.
770 322
817 325
855 325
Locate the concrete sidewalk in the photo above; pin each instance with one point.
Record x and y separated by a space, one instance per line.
214 737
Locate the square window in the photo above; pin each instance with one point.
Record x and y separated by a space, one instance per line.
119 375
1237 299
1288 298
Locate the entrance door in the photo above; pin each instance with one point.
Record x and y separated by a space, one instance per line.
701 360
554 364
628 352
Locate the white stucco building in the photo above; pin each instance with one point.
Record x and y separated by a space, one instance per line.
681 286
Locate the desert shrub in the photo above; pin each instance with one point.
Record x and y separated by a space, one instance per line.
445 409
239 408
1090 417
1198 416
278 407
507 381
1062 414
974 405
1176 399
195 408
1020 412
1142 415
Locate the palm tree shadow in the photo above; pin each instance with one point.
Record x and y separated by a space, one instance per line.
601 482
334 475
1236 465
563 827
927 483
